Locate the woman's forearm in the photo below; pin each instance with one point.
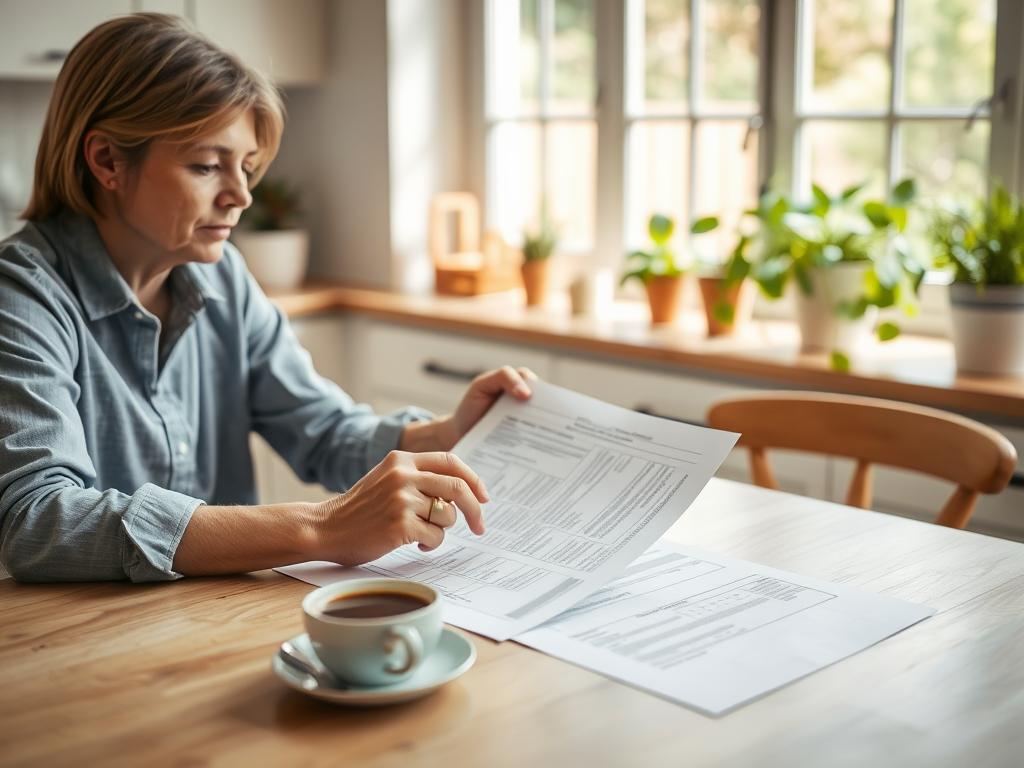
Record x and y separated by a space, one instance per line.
221 540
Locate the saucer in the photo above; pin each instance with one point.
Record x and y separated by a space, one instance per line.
453 656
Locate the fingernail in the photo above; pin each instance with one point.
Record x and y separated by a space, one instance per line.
523 391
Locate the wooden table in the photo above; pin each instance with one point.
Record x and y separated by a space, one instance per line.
179 674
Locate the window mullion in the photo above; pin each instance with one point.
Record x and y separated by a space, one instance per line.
696 98
893 159
609 233
1006 158
786 79
545 33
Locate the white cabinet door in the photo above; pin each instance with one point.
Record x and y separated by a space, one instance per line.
686 398
36 35
287 40
432 369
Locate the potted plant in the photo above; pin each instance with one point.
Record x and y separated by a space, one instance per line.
276 252
657 269
727 294
984 249
537 249
847 260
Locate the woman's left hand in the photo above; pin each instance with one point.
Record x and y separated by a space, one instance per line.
443 433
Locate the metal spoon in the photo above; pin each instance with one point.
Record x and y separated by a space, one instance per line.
296 659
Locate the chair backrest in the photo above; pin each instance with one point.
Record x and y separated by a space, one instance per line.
975 457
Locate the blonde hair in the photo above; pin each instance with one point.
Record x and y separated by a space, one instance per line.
140 78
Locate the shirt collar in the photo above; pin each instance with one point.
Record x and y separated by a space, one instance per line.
101 289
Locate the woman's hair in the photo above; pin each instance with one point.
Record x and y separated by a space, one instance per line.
139 78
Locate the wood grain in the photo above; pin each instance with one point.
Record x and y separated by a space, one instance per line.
913 369
178 674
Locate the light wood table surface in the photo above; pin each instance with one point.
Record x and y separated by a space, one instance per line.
178 674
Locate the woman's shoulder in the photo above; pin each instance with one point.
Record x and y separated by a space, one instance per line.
29 262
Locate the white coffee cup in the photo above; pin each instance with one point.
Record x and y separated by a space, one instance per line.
373 632
593 292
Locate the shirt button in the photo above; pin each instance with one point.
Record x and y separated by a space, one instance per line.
138 315
182 448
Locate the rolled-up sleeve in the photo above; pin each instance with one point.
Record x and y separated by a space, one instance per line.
323 434
54 524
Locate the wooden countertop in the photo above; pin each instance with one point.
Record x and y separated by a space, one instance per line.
915 369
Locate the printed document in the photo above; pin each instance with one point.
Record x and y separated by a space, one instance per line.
579 489
713 632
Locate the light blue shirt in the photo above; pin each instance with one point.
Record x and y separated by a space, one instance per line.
109 440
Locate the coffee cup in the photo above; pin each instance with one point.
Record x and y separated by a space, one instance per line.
373 632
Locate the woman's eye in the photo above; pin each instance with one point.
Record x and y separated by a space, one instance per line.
248 174
205 169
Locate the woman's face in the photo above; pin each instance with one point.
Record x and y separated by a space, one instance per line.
182 202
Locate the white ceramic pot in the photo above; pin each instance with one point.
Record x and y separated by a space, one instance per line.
277 259
821 328
988 328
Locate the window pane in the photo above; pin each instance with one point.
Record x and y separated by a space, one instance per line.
514 179
730 55
659 166
843 154
572 53
947 161
667 56
851 68
950 49
572 180
726 183
529 57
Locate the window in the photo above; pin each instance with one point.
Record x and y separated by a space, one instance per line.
541 121
610 110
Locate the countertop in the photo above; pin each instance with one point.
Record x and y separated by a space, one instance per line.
917 369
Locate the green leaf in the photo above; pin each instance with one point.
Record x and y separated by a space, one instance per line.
899 217
877 214
661 228
638 275
704 225
840 362
904 192
723 312
803 279
851 191
888 331
822 202
737 268
852 310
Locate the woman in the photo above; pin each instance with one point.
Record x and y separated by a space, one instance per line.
136 353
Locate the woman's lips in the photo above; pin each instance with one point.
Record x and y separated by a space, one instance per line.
219 232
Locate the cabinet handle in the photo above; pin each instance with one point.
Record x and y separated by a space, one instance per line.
648 411
437 369
55 54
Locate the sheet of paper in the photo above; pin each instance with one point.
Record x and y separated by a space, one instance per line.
713 632
579 488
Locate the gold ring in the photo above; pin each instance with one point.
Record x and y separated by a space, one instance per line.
436 507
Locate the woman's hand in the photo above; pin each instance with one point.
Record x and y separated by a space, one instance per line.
393 505
443 433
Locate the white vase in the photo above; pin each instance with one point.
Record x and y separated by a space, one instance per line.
277 259
821 328
988 328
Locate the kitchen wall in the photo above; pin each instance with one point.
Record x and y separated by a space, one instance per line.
22 110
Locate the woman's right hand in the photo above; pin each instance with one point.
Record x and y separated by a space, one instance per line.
389 507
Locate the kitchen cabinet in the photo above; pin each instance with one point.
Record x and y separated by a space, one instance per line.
37 35
287 40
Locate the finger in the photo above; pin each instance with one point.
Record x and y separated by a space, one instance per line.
442 515
441 463
458 492
427 535
527 374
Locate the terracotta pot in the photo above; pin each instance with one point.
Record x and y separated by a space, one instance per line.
665 295
535 280
821 328
738 297
988 328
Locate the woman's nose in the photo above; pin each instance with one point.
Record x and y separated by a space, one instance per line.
236 193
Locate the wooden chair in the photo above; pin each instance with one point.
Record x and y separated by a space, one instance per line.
871 431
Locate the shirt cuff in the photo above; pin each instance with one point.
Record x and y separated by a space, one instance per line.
154 524
388 433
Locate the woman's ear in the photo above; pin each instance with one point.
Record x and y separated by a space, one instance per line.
103 159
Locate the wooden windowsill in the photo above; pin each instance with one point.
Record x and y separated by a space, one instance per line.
915 369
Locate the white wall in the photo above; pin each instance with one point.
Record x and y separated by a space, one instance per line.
336 149
22 110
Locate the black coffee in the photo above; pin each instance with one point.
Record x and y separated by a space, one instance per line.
372 605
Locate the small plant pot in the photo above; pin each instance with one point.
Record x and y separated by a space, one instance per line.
821 327
988 328
535 280
727 307
665 295
277 259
